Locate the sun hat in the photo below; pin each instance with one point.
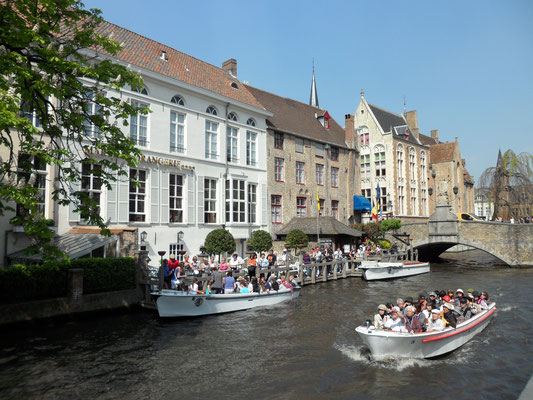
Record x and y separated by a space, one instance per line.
432 293
459 291
382 307
396 309
470 290
448 306
435 311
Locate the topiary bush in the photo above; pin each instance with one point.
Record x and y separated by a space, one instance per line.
297 237
106 274
260 241
219 241
390 224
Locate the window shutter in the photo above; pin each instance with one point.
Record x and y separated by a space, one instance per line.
74 187
154 196
164 197
123 198
190 199
200 207
112 202
264 205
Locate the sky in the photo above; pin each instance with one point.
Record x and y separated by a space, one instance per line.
466 67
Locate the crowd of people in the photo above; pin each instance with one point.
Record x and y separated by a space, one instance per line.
184 275
432 312
512 220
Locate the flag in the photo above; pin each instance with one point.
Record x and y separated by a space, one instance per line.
379 201
374 212
317 199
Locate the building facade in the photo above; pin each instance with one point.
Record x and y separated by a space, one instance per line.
393 158
310 162
201 168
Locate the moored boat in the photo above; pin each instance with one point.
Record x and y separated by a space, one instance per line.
383 343
376 270
172 303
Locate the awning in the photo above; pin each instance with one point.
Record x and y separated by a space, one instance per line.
361 203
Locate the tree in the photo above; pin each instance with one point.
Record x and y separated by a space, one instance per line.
260 241
219 241
390 224
57 81
297 238
370 230
509 185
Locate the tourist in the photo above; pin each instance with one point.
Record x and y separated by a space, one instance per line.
177 278
255 285
307 262
419 314
216 281
450 295
212 263
239 284
243 285
236 262
458 297
318 255
272 258
435 323
412 323
284 257
395 323
483 300
400 304
465 311
223 265
292 281
173 263
263 263
252 265
229 283
193 288
274 285
195 264
167 274
262 285
449 315
381 317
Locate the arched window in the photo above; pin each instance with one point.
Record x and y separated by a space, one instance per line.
211 110
423 170
364 136
143 90
379 160
178 100
412 163
250 122
232 117
399 160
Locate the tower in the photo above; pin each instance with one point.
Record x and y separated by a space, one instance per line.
313 98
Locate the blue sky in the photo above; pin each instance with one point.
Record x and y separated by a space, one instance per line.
465 66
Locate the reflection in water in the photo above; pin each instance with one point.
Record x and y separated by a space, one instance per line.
307 348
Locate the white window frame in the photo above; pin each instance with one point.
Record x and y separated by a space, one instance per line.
251 148
279 169
300 173
139 125
334 177
319 169
92 186
177 132
174 198
210 201
211 140
235 200
137 194
252 203
232 138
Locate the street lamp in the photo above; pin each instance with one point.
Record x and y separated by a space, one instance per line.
430 191
455 190
180 236
144 235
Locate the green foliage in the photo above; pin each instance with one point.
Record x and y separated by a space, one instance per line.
48 75
35 282
297 237
370 230
390 224
219 241
260 241
385 244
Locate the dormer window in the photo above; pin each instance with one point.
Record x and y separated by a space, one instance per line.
178 100
324 119
211 110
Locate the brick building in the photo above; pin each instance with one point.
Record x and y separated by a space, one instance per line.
307 152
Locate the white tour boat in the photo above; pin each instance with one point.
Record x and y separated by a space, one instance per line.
383 343
173 303
374 270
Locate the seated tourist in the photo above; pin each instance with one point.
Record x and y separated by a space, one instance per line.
400 304
451 294
419 314
458 296
229 283
243 285
193 288
292 281
274 285
239 284
484 301
449 315
412 323
380 317
465 312
395 323
255 285
435 323
263 285
433 299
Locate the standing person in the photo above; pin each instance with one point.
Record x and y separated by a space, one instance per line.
236 262
263 263
172 263
229 283
252 263
272 258
223 265
216 281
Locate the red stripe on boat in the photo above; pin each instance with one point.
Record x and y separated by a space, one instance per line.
465 328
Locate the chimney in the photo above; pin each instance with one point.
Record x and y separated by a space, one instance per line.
412 121
435 134
230 66
349 130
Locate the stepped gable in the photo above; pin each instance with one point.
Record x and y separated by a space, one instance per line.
140 51
294 117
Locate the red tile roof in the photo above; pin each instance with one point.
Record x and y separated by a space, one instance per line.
292 116
442 152
140 51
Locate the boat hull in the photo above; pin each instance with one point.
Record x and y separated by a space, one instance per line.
373 270
172 303
424 345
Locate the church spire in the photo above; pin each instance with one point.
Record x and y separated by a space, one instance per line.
313 98
499 163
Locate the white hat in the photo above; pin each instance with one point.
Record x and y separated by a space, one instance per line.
396 309
448 306
435 311
410 308
459 291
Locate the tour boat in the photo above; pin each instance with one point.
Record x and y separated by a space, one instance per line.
384 343
374 270
173 303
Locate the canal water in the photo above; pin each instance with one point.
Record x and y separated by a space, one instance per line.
304 349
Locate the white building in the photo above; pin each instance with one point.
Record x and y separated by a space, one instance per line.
482 206
204 164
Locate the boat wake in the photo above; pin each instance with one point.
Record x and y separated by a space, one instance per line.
507 308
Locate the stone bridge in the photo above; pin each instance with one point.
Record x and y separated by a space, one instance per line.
511 243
